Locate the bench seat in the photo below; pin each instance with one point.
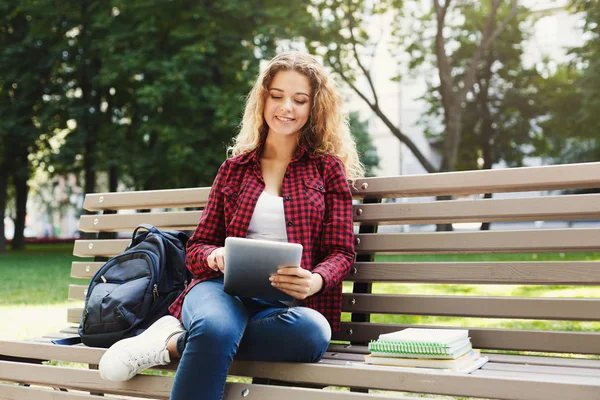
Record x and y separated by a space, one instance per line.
558 361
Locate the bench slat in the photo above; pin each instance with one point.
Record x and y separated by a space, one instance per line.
458 306
542 369
489 338
555 208
85 269
566 309
512 273
356 374
147 199
550 240
494 357
554 240
180 220
82 379
390 378
555 177
574 207
13 392
503 272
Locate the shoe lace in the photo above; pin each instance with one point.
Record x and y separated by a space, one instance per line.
149 359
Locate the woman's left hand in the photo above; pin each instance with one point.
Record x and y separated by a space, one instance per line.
297 282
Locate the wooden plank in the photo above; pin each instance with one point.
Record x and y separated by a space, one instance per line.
14 392
99 248
528 179
548 208
503 272
479 307
544 369
74 315
178 220
489 338
77 292
239 391
354 375
586 239
156 387
49 351
85 269
550 240
358 350
567 309
542 378
148 199
419 381
544 360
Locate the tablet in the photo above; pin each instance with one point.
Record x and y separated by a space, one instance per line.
250 262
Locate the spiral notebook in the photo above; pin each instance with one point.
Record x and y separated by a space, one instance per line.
415 342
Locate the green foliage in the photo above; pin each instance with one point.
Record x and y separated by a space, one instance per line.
162 86
499 116
366 150
570 132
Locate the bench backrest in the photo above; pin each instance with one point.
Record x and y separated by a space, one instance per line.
382 229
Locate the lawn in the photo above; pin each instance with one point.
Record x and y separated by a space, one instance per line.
34 282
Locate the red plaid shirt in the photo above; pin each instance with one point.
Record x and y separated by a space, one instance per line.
318 211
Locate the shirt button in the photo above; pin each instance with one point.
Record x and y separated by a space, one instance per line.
290 223
320 187
287 175
288 197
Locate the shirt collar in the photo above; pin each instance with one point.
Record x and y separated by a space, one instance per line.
254 155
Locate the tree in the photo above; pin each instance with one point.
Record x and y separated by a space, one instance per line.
168 91
25 68
344 43
499 117
366 150
571 128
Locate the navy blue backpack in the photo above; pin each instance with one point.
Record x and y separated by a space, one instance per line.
134 289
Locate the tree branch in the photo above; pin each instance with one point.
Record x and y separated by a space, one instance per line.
487 39
395 131
444 69
357 58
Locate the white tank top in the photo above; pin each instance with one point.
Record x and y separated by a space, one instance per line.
268 220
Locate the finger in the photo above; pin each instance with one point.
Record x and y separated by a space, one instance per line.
290 279
292 287
220 262
301 295
210 260
297 271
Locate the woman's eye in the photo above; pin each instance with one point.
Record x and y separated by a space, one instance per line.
276 97
301 102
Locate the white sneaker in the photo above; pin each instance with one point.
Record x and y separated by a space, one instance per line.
126 358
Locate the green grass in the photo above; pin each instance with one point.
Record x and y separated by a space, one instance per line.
37 275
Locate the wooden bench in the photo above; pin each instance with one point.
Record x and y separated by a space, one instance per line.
544 372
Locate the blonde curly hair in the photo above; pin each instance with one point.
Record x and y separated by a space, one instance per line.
326 131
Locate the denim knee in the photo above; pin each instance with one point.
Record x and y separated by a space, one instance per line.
215 332
316 335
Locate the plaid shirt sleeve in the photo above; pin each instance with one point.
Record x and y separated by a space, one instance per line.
210 232
337 237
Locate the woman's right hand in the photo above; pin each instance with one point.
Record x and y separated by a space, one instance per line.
216 259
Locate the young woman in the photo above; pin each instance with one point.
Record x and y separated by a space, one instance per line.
286 179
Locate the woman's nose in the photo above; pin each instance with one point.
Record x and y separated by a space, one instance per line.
286 104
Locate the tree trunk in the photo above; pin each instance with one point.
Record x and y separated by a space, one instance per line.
21 191
452 138
113 178
3 198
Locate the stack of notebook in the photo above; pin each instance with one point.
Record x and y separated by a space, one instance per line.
436 349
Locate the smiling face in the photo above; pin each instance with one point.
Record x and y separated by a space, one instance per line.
288 103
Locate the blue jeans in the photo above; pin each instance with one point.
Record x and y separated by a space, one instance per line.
220 327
